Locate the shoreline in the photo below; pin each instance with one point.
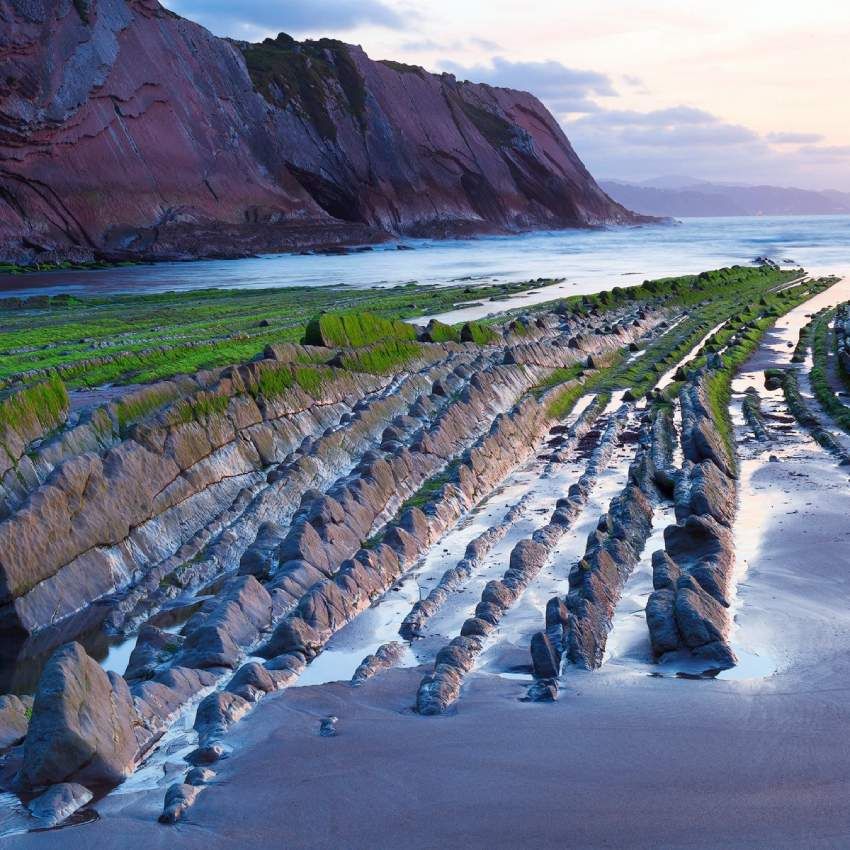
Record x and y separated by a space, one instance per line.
624 757
591 259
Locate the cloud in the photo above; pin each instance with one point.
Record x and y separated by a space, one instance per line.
255 18
686 140
429 45
794 138
635 83
563 89
826 153
424 45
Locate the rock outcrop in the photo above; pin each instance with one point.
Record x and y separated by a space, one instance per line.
693 575
83 724
578 626
440 689
127 131
460 424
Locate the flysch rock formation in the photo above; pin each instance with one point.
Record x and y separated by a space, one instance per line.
693 575
440 689
463 416
127 131
577 627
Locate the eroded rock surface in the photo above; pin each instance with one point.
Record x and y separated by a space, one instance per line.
83 724
202 146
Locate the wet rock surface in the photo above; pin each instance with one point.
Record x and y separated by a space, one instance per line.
612 551
440 689
58 803
83 724
178 800
466 422
386 656
692 576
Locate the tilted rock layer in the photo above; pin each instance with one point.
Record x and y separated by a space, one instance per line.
126 131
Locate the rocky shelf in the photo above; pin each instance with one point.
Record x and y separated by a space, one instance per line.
233 524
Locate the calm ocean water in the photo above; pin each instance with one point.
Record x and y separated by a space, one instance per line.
589 260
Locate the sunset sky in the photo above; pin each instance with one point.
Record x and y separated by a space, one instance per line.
747 91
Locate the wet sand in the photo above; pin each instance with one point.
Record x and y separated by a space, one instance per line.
623 759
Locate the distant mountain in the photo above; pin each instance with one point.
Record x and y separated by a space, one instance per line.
680 197
669 181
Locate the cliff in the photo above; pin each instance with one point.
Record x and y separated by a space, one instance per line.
127 131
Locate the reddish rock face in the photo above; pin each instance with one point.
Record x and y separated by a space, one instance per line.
127 131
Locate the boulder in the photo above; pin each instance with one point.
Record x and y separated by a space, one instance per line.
385 657
207 755
545 657
700 618
58 803
665 571
200 776
704 548
438 690
292 635
251 676
661 621
496 593
476 627
82 724
260 558
713 493
154 648
216 714
543 690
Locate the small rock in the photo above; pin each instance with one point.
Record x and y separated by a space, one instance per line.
178 800
200 776
327 728
207 755
543 690
545 657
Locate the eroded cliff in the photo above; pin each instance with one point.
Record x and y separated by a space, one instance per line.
127 131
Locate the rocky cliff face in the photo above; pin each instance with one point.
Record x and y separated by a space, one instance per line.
126 131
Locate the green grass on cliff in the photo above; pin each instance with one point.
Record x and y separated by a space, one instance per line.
137 406
441 332
478 332
307 76
821 337
129 339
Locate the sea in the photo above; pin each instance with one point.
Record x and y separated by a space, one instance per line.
587 260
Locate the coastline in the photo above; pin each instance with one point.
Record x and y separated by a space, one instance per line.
590 259
622 758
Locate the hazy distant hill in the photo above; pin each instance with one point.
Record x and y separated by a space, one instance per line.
679 197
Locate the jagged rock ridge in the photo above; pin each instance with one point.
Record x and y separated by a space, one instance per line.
127 131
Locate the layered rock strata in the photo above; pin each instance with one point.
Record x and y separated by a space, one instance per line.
99 518
577 627
455 578
127 131
693 574
289 617
440 689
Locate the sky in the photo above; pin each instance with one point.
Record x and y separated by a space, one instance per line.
739 91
